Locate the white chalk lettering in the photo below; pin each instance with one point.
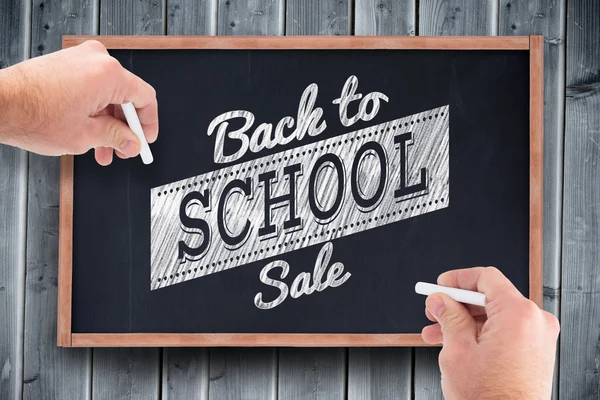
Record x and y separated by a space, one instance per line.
308 122
348 95
302 284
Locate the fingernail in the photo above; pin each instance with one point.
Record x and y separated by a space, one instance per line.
435 306
129 148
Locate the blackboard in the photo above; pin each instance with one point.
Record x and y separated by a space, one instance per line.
301 187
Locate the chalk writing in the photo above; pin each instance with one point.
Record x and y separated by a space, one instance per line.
300 197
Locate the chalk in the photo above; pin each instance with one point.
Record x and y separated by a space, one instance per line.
134 124
460 295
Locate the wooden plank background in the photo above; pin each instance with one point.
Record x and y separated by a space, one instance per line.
33 367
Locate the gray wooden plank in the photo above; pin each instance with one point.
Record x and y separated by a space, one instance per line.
243 374
50 371
448 17
312 373
315 373
580 304
192 17
379 374
14 47
428 380
185 371
254 17
548 18
125 373
458 17
128 373
384 17
185 374
13 198
141 17
318 17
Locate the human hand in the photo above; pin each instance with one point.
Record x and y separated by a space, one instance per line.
503 351
67 102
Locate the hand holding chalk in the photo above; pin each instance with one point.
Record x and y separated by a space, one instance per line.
505 350
64 103
134 124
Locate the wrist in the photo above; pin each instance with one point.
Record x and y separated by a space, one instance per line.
7 91
13 107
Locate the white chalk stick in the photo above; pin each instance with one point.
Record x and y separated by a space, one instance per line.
460 295
134 124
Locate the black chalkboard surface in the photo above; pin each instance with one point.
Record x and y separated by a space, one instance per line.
298 194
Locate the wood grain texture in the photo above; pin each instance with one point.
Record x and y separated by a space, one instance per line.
306 42
13 197
537 17
379 374
318 17
448 17
384 17
312 374
185 374
65 251
458 17
580 307
14 47
125 373
50 372
191 17
140 17
243 374
536 174
427 379
128 373
243 339
253 17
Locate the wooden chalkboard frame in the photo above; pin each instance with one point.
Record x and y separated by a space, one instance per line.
534 44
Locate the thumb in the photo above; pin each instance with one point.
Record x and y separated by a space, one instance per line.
111 132
456 321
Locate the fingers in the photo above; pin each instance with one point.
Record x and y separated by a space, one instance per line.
111 132
149 119
95 46
104 155
475 311
429 315
488 280
143 97
456 322
125 86
552 322
432 334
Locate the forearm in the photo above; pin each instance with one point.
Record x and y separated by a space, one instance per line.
5 89
8 98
